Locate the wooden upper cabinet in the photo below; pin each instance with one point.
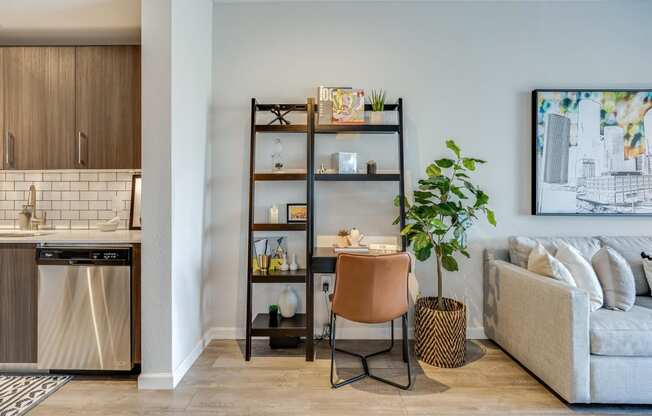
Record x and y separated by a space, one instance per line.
108 106
39 107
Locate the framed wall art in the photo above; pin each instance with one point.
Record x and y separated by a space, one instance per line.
592 152
297 213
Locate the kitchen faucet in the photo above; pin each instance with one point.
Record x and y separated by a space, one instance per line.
34 221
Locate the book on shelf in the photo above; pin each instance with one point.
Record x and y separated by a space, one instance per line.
348 106
351 249
325 103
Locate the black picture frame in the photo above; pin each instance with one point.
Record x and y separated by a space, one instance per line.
288 209
534 208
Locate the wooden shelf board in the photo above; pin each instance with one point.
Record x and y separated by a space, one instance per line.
281 128
290 176
279 227
356 128
279 276
350 177
289 327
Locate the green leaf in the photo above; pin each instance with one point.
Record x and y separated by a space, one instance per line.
491 217
462 175
465 253
421 241
444 163
469 163
481 198
437 223
449 263
406 230
458 192
450 143
433 170
423 254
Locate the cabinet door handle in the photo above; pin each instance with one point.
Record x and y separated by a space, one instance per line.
9 150
80 161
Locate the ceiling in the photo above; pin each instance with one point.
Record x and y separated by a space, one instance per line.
69 21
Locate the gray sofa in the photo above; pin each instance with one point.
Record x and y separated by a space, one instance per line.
586 357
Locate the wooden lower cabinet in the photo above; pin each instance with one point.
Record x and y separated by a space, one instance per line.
18 303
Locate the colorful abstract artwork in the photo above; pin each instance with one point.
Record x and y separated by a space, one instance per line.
592 152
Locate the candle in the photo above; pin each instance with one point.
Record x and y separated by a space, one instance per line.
273 215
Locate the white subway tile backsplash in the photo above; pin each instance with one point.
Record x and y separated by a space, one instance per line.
70 176
107 176
97 186
70 199
84 176
70 196
51 177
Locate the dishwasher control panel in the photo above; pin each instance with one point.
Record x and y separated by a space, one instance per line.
84 255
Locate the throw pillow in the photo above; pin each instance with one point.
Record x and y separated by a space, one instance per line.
582 272
616 278
541 262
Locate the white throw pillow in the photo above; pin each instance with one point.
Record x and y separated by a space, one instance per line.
541 262
616 279
582 272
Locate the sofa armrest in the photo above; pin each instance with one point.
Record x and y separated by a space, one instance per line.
542 323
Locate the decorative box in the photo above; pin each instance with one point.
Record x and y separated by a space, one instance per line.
345 162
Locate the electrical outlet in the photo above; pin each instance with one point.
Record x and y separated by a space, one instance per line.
326 283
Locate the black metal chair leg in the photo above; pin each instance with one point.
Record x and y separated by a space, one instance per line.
363 358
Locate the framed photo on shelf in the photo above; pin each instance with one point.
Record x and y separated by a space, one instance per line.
297 213
592 152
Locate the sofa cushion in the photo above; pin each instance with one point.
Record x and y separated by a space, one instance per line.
630 248
520 247
582 272
616 279
644 301
541 262
618 333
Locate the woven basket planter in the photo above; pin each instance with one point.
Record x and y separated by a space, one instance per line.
440 334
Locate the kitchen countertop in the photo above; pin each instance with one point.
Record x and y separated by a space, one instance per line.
75 237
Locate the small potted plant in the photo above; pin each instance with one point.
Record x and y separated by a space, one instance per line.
377 100
342 239
445 205
273 316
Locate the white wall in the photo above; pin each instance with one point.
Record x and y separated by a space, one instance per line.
464 69
176 57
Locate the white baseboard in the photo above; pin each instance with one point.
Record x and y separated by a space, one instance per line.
169 381
346 332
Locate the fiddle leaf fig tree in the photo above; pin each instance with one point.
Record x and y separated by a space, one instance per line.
445 205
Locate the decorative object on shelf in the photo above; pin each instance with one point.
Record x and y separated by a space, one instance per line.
297 213
355 237
287 302
273 214
280 115
377 100
434 226
263 262
371 167
342 239
325 103
273 316
284 264
277 157
135 219
322 169
348 106
345 162
592 152
294 265
273 247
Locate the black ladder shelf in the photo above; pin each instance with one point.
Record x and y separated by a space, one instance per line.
302 325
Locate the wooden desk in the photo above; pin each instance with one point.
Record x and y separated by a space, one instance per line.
324 258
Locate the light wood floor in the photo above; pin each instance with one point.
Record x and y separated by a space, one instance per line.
283 383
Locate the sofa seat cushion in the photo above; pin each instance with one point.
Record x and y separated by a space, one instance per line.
520 247
644 301
630 248
618 333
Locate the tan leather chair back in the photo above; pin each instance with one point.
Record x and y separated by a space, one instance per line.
371 289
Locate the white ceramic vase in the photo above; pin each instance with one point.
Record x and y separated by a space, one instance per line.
287 302
376 117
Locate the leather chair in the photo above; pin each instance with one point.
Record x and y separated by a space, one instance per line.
371 289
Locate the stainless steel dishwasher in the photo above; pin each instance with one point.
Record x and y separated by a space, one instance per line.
84 308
